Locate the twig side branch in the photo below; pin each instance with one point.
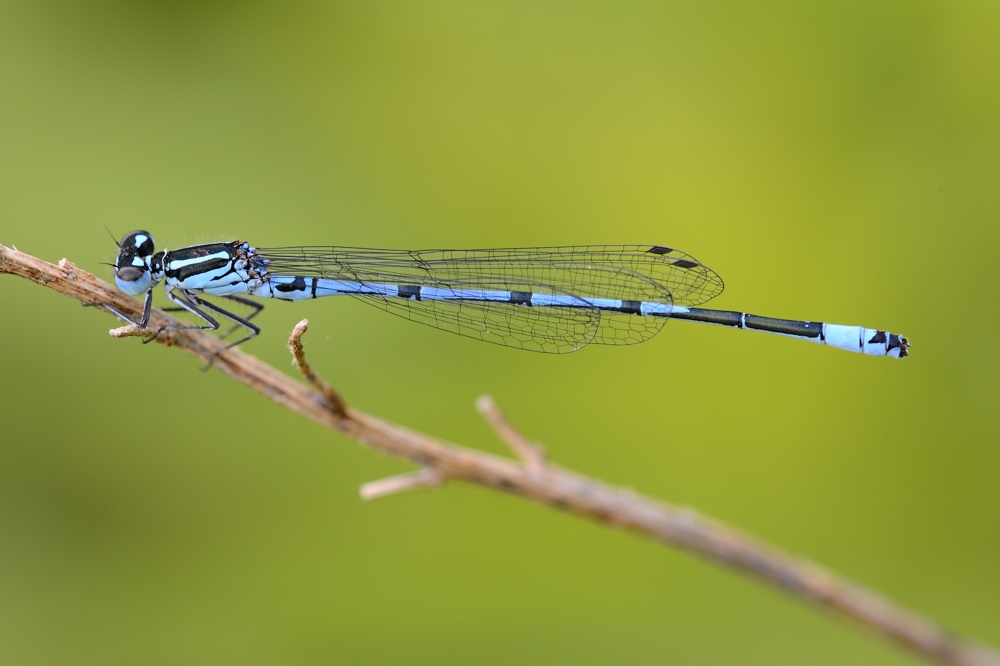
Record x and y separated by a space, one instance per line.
532 454
428 477
555 487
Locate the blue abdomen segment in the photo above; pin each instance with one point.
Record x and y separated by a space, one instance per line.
297 288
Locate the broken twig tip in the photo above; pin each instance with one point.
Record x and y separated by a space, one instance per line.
129 331
300 329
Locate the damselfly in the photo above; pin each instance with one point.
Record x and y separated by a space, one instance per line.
546 299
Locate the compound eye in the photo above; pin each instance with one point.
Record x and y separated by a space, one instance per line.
132 280
140 242
129 273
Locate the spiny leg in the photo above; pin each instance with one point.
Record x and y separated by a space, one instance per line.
236 319
257 307
189 306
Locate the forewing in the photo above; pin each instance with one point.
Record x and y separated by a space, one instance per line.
653 274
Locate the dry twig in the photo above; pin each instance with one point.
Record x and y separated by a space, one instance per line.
535 479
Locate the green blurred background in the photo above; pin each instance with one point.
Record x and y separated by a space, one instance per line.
837 163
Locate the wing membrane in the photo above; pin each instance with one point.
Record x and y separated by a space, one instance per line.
653 274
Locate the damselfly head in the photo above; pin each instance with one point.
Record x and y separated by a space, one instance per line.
132 269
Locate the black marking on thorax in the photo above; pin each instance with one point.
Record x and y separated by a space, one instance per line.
205 261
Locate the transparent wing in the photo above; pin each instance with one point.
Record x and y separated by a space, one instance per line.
653 274
575 269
